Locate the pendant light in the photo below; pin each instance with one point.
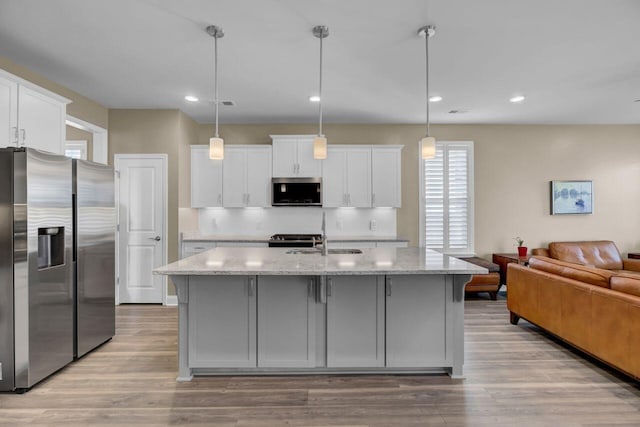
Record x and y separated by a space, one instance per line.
320 141
428 142
216 144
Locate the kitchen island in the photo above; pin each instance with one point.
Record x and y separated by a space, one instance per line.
290 311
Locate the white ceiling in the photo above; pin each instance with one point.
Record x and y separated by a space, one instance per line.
577 61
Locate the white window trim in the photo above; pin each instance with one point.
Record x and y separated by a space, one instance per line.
77 144
421 197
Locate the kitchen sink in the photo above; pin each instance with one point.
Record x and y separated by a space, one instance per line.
319 251
344 251
304 251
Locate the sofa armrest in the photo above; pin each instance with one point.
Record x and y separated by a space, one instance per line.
631 264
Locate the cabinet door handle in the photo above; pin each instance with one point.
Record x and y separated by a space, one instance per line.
248 198
349 199
16 135
251 287
24 136
323 291
310 288
373 199
329 287
220 198
388 287
294 168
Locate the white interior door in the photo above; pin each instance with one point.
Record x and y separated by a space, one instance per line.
142 202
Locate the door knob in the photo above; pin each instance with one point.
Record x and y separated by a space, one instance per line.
157 238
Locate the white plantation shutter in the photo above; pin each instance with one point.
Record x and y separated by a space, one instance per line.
448 198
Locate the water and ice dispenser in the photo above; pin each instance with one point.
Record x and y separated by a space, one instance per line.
50 247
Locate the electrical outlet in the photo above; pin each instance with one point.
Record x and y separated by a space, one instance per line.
372 225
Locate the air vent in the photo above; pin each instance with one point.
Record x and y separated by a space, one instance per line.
458 111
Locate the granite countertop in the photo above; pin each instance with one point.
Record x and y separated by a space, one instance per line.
276 261
194 237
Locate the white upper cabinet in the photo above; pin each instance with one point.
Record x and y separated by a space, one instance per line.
246 176
293 157
346 177
259 176
386 176
206 178
8 113
31 116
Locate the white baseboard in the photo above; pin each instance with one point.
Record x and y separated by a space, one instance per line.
172 300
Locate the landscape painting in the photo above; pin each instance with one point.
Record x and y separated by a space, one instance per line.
571 197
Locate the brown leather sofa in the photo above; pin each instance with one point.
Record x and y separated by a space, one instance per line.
585 294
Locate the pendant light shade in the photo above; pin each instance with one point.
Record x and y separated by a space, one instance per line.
216 148
320 141
428 143
216 144
320 147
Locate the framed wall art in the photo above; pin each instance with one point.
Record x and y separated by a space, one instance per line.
571 197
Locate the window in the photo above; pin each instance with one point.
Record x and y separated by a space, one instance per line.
447 196
76 149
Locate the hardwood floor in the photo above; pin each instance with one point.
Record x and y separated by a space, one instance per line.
515 375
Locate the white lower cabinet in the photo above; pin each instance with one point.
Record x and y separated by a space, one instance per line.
194 248
222 322
278 322
416 300
364 244
355 321
286 322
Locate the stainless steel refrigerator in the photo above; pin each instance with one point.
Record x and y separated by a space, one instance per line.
94 254
36 266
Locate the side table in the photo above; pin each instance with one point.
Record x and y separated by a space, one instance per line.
503 259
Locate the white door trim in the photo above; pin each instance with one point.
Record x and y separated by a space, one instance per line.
165 212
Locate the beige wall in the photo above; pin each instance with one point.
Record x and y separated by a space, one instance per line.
151 132
81 107
513 167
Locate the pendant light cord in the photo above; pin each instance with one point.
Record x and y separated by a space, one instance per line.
320 89
426 43
215 67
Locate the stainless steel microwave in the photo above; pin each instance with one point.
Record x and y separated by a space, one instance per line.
296 191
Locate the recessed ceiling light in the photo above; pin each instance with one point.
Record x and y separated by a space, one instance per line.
435 98
191 98
517 98
314 98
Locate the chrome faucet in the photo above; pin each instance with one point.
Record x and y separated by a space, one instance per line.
325 249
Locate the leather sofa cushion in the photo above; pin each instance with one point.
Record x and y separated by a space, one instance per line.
600 254
540 252
581 273
626 283
485 279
